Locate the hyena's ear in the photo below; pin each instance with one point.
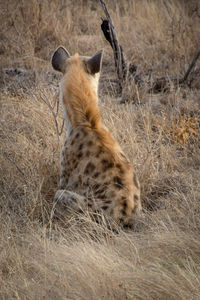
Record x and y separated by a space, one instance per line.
59 59
93 64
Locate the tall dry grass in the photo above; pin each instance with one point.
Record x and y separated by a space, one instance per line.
74 258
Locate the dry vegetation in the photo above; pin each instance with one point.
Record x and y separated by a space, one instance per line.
75 258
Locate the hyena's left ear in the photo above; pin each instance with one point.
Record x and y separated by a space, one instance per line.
59 59
94 63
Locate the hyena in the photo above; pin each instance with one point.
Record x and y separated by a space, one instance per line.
95 173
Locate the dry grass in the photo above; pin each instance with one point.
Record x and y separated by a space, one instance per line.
75 258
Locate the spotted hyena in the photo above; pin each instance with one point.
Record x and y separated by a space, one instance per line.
95 173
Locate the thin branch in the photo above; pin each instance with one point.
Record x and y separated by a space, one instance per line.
55 114
191 66
106 12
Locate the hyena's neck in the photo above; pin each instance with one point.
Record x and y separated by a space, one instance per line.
80 101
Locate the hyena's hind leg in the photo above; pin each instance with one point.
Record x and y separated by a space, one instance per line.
69 201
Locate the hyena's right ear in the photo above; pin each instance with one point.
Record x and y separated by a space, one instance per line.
94 63
59 59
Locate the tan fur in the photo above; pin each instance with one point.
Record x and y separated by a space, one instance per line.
95 173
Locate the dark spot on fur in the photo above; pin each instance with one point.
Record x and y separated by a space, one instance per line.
124 204
123 212
96 174
80 147
108 201
80 154
117 182
120 168
135 181
99 151
104 207
72 142
90 143
124 207
106 165
106 184
104 161
77 135
101 196
89 168
99 192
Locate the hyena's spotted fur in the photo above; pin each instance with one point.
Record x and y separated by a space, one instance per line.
95 173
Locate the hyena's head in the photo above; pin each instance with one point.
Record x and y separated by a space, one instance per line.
63 62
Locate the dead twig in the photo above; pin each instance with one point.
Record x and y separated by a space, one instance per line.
54 113
111 36
191 66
